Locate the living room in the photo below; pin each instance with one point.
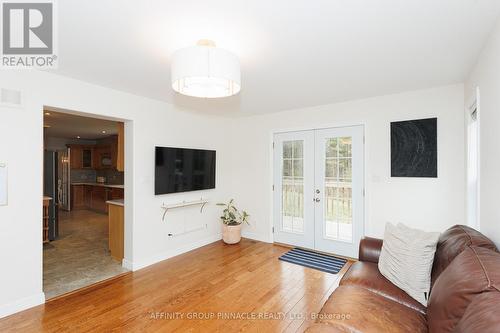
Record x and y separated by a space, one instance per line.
378 80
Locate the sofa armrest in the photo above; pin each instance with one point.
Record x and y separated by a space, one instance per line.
369 249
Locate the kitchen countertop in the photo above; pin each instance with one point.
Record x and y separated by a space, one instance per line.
117 202
99 184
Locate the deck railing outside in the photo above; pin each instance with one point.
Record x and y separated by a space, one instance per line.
337 200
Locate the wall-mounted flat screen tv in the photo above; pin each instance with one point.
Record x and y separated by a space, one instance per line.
183 170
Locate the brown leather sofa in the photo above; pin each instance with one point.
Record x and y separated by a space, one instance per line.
464 296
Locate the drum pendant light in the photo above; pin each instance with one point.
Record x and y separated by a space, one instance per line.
205 71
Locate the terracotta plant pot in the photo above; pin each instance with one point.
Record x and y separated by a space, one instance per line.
231 234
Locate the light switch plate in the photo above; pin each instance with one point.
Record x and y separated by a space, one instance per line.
3 184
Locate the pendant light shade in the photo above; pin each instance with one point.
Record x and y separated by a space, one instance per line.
205 71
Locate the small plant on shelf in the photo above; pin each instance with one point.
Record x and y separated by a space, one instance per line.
232 219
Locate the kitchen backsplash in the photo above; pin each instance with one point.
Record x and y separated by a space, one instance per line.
83 175
90 175
112 176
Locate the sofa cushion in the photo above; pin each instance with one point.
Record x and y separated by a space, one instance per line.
367 275
406 259
481 314
472 272
355 309
452 242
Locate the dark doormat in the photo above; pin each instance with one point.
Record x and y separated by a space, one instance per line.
311 259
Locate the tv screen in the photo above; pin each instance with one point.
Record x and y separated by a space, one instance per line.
183 170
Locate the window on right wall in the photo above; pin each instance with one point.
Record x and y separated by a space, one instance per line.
472 118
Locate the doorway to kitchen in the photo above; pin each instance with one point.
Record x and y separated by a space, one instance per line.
83 220
319 189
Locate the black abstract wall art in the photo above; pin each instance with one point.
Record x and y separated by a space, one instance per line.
414 148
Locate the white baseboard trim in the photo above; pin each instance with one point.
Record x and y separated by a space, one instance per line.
136 265
21 304
127 264
256 236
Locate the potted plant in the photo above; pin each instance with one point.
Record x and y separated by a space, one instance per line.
232 219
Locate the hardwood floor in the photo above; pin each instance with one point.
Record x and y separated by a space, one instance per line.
194 292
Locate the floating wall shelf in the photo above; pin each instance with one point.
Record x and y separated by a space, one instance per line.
202 202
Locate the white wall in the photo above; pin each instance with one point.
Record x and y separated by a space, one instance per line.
486 76
430 204
149 123
244 169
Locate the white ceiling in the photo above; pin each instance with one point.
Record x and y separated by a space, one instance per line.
293 53
70 126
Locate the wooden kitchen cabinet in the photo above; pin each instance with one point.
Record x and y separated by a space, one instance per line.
75 157
99 198
97 152
116 231
81 157
105 158
78 197
94 197
87 157
108 153
117 193
87 194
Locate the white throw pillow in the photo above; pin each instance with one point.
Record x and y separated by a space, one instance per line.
406 259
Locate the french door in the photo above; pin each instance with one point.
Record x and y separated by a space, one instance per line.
318 189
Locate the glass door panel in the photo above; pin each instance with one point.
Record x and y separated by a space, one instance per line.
338 189
339 179
293 188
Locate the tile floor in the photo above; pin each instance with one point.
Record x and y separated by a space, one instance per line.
80 257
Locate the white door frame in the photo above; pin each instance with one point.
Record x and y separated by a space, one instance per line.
473 204
366 189
127 261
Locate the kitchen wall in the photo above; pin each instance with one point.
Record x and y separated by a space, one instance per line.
429 204
486 76
90 176
146 235
112 176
